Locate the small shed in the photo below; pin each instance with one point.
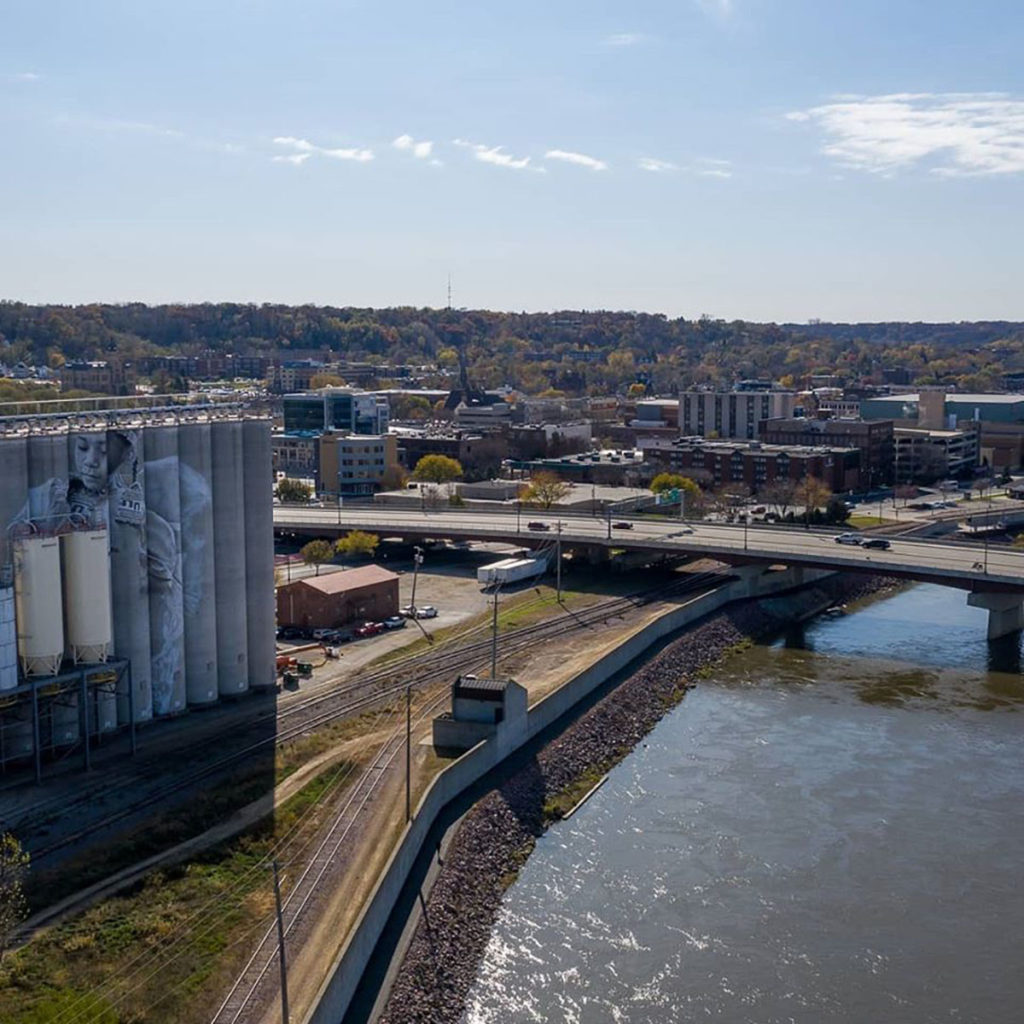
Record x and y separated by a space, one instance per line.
338 598
481 708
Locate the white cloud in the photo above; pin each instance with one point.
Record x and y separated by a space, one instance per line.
624 39
25 76
496 155
954 134
304 149
711 167
649 163
580 159
720 8
420 150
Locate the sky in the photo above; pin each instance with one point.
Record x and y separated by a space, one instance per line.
774 160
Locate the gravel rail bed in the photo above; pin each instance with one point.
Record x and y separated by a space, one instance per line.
498 834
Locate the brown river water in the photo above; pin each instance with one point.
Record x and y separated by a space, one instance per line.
830 828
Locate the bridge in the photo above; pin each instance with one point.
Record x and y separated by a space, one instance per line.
992 576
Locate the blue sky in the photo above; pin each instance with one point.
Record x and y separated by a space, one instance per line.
766 159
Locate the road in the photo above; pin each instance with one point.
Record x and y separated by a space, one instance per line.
968 566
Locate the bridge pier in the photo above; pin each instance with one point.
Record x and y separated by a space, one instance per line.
1005 612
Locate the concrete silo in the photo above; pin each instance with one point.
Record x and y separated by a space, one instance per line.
13 495
163 541
37 590
195 482
129 571
229 557
259 552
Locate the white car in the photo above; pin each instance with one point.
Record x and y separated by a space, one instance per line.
848 538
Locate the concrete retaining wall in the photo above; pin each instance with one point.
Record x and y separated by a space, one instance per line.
337 991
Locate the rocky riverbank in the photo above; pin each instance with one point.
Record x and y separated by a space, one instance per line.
497 835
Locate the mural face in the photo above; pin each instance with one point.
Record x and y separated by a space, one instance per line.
87 479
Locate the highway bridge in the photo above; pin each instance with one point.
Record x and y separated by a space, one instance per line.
993 576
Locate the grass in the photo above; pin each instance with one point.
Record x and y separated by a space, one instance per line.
866 522
117 959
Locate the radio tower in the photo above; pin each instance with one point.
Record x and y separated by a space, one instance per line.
449 292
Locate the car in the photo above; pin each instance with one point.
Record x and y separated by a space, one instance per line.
428 611
622 525
367 629
848 538
680 532
322 634
394 622
536 525
877 542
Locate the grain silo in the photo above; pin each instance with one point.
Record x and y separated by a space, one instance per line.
198 551
259 552
229 566
87 595
14 478
129 569
163 540
37 589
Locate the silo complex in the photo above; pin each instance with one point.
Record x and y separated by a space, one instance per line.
230 567
142 538
129 568
195 476
163 537
259 553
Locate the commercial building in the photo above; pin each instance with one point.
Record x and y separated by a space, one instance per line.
297 455
355 465
874 439
483 417
338 598
617 468
293 375
999 419
732 414
923 456
542 440
143 537
754 463
345 409
480 455
106 377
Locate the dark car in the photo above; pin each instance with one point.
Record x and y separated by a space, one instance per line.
623 525
876 542
536 525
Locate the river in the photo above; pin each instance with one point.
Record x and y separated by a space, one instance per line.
829 828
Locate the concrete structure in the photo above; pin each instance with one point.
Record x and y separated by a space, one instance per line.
732 414
614 467
656 417
873 438
348 410
355 465
484 417
297 454
481 708
338 598
753 463
924 456
164 515
292 375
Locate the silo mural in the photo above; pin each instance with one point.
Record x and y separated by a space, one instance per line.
259 552
14 477
129 568
166 601
230 568
195 474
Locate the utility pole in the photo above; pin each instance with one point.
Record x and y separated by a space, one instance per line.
494 635
682 503
558 559
408 753
417 561
280 947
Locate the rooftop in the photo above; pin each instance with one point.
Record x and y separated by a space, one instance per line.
955 396
348 579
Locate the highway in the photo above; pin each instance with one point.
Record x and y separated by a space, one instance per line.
968 566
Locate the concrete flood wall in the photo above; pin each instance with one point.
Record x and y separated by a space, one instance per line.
336 992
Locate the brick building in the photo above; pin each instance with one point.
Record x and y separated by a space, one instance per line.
339 598
114 377
873 438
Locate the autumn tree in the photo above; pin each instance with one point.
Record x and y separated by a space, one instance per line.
779 493
394 478
547 489
813 494
317 552
357 542
13 905
325 380
293 490
437 469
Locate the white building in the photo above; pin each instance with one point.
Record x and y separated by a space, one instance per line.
732 414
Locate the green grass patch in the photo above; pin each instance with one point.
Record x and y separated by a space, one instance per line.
145 955
866 522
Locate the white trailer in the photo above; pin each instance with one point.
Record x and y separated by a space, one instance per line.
486 573
515 569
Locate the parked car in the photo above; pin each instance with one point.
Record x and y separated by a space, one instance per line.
535 525
427 611
877 542
322 634
848 538
394 622
368 629
622 525
291 633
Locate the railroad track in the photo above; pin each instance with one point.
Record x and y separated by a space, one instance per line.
319 710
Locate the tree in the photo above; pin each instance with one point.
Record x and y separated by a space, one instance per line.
325 380
437 469
316 552
692 496
13 906
394 478
547 489
813 494
778 493
294 490
357 542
